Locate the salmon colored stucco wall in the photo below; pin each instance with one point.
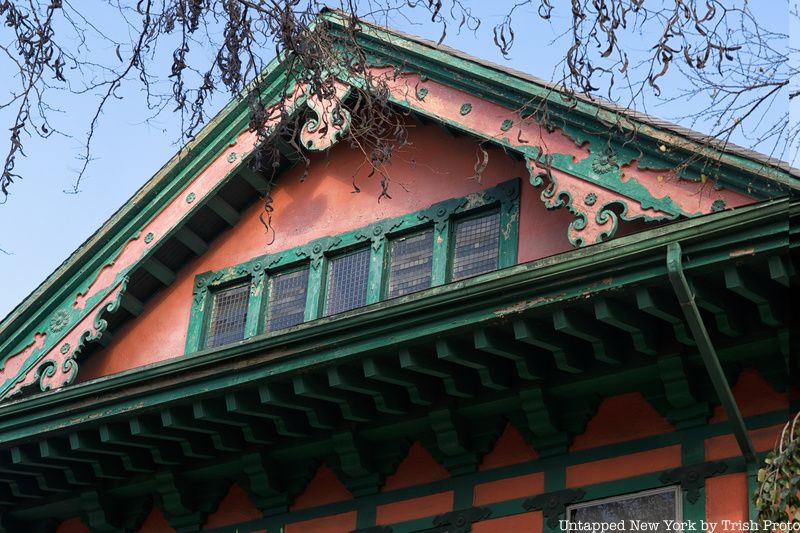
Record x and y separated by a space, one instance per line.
435 167
727 498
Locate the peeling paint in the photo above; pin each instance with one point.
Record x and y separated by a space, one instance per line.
742 251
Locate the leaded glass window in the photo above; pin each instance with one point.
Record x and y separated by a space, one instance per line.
477 245
655 508
228 315
287 299
410 263
347 282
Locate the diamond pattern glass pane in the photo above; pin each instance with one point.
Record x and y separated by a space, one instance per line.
347 282
287 299
652 508
411 262
228 315
476 247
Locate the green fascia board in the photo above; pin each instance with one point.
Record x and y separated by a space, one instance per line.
514 91
624 262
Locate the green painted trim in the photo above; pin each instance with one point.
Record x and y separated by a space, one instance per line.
692 453
441 254
314 301
317 252
555 479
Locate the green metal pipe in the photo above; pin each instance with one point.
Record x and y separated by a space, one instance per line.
686 298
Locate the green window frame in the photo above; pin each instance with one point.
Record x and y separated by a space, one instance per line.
318 255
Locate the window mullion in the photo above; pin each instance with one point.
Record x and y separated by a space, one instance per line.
441 253
509 234
197 319
316 273
377 260
254 305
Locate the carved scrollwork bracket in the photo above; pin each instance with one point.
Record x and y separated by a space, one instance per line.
591 203
331 121
58 366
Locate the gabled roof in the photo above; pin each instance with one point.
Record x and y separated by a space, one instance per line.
41 339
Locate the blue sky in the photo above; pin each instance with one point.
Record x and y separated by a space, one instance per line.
40 225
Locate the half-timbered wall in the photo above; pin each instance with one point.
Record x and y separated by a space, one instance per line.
626 447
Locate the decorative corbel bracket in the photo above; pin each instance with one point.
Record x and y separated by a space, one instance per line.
553 504
263 485
103 513
452 446
355 464
693 478
186 507
541 423
331 121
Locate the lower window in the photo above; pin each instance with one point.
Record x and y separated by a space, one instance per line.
652 510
